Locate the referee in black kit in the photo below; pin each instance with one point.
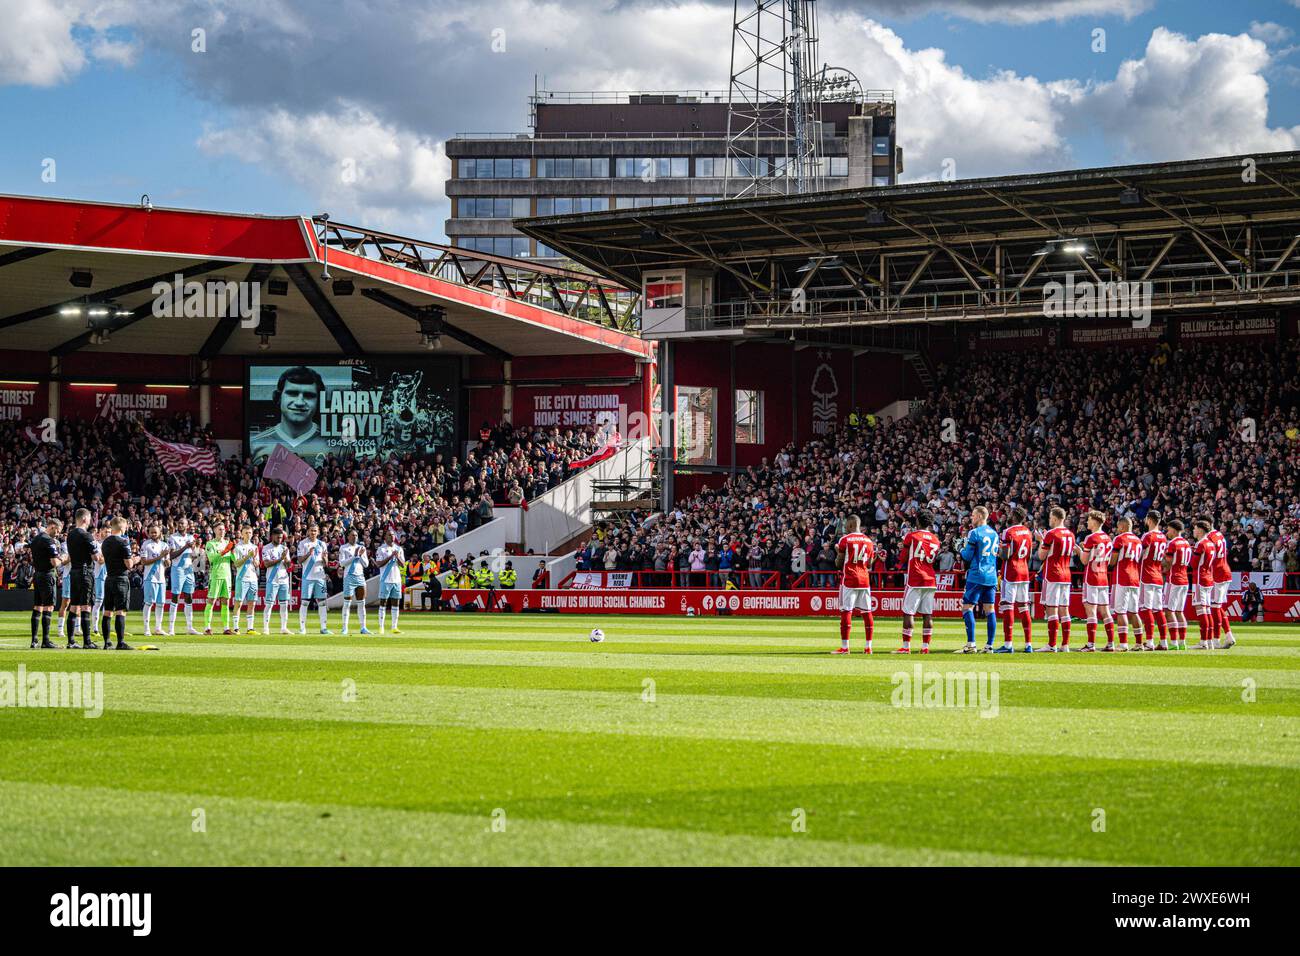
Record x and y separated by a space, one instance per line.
118 560
45 562
81 581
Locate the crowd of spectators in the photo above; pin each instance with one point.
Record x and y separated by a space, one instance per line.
110 468
1207 429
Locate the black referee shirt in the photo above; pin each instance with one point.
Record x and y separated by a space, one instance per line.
44 550
81 548
116 549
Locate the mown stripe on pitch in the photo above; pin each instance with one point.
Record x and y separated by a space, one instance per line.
1224 672
1030 730
131 828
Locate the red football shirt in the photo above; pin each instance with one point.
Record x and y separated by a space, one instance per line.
1154 545
920 547
1128 547
1019 541
1222 571
858 551
1059 543
1180 556
1098 547
1203 561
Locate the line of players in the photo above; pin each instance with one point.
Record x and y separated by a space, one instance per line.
166 565
1130 582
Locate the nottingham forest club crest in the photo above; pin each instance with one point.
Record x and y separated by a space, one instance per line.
825 389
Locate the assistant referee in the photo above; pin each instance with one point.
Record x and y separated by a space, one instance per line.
81 582
118 561
45 561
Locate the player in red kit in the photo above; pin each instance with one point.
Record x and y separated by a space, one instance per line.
1126 595
1017 542
1055 550
920 547
853 556
1151 574
1203 582
1094 555
1222 582
1178 555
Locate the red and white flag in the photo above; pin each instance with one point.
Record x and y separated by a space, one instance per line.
284 465
612 443
176 457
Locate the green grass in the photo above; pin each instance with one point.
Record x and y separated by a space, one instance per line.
500 740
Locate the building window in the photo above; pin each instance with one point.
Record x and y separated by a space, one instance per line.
880 146
563 205
493 169
749 417
492 208
651 169
664 291
583 167
696 425
839 165
710 167
880 181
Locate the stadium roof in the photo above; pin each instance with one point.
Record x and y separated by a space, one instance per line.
487 305
1207 220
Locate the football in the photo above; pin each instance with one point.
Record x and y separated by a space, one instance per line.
596 635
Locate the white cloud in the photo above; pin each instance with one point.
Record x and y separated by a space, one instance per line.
1018 12
48 42
1186 98
353 163
1270 32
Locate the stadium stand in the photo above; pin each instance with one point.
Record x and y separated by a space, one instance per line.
1121 430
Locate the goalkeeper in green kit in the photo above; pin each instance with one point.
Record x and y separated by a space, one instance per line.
219 557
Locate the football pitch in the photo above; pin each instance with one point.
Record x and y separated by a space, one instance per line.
499 739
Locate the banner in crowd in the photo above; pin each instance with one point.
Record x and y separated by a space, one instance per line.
1277 608
573 406
352 407
1097 335
1266 581
91 400
1026 337
587 580
283 465
23 400
1199 330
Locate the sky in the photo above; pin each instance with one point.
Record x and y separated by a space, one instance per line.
288 107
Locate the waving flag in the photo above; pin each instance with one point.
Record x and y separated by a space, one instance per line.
607 449
284 465
176 457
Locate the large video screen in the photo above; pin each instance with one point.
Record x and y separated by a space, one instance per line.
361 408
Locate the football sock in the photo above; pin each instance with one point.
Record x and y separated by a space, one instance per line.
907 636
119 627
992 622
361 613
104 629
1110 632
869 625
347 612
266 617
61 619
86 633
302 616
173 621
1007 621
1027 621
284 616
1053 626
393 612
1162 625
36 623
160 609
968 617
846 626
1065 632
1092 631
925 637
383 615
207 615
148 614
324 615
189 616
225 616
45 625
